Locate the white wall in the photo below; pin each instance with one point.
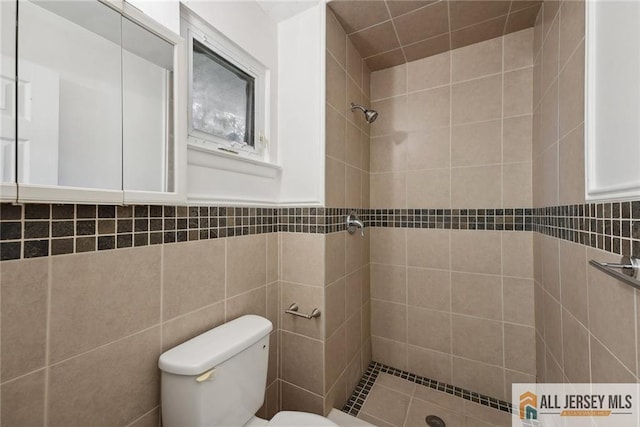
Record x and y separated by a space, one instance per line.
292 50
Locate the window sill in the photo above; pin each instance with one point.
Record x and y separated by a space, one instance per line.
199 155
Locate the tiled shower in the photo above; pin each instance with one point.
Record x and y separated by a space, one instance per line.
473 271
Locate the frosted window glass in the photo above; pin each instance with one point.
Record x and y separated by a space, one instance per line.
222 97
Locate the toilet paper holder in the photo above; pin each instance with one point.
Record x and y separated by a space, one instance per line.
293 309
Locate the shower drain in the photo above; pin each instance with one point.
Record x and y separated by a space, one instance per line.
435 421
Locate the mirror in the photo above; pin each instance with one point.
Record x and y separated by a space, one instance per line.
69 61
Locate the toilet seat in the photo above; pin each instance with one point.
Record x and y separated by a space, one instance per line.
299 419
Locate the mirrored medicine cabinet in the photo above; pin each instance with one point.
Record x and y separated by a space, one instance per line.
91 106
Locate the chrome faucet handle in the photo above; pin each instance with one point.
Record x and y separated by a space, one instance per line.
354 222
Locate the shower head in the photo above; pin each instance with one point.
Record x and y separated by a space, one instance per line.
369 115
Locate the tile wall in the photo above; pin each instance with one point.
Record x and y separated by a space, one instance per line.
455 133
347 337
586 322
81 333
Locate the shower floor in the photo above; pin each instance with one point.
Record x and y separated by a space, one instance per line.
387 397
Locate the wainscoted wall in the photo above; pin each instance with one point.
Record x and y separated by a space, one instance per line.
82 333
455 133
586 322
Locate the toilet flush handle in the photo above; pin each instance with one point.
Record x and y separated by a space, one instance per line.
209 375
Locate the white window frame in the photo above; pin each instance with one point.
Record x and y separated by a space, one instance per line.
194 27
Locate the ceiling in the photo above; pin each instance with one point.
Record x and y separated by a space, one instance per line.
392 32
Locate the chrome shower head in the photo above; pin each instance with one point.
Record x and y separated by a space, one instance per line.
369 115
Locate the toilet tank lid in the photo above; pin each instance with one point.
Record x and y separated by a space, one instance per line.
215 346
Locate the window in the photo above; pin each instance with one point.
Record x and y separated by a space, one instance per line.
227 93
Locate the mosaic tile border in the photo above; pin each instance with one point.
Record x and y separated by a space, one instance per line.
37 230
356 401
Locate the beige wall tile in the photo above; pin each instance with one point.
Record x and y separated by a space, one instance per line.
430 364
571 92
335 256
298 399
353 335
549 117
571 173
388 282
392 118
428 188
476 252
272 400
518 49
611 308
518 301
301 363
429 149
389 154
429 329
549 177
23 293
273 257
188 283
477 295
606 368
181 329
550 49
553 330
389 352
572 24
353 146
517 254
336 39
388 190
353 373
573 279
479 377
303 258
335 183
519 348
428 248
335 129
518 95
477 60
246 263
307 298
551 266
126 386
429 288
334 313
477 100
517 186
388 246
477 339
354 94
336 85
429 109
273 304
252 302
476 186
334 358
429 72
389 82
576 349
356 246
476 144
151 419
23 400
389 320
516 139
336 397
129 301
354 63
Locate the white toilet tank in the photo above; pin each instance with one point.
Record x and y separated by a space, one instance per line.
217 378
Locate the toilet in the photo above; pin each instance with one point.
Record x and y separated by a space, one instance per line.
218 379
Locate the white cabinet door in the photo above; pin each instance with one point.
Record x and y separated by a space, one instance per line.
613 100
165 12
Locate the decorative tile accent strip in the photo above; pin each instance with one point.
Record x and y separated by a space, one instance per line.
36 230
356 401
359 395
